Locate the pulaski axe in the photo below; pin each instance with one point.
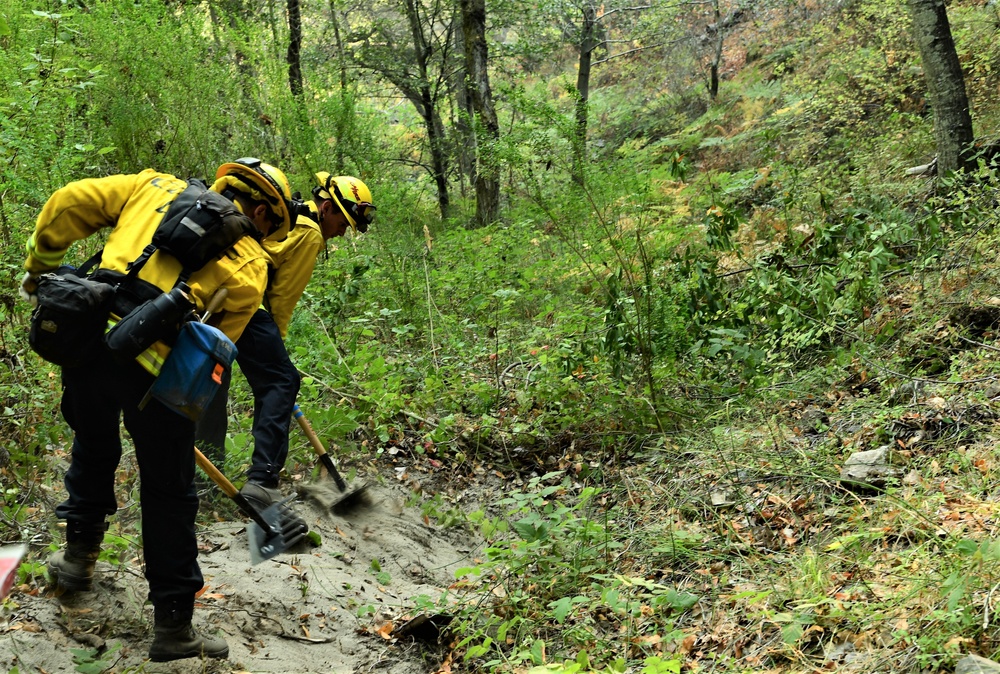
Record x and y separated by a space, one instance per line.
272 531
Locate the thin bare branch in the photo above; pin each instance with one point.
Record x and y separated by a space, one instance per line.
624 9
632 51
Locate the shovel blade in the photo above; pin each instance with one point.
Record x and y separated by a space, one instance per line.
357 497
267 545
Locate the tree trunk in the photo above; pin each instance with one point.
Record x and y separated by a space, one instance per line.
429 111
945 85
588 43
462 119
713 84
439 158
231 13
345 96
341 53
488 129
294 48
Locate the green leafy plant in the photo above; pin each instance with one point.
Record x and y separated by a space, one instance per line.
383 577
94 660
548 563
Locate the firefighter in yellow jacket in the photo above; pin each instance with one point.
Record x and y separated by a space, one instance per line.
338 202
97 395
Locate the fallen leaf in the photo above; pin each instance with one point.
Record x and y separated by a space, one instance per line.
648 639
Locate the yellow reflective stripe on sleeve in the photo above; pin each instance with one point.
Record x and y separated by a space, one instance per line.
53 259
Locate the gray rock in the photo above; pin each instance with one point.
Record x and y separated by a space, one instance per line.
907 393
869 469
841 653
973 664
721 499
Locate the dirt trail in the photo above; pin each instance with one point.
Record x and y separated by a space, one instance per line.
318 611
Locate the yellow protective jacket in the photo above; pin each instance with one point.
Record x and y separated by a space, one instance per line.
292 262
133 205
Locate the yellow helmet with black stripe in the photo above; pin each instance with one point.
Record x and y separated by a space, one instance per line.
263 182
352 197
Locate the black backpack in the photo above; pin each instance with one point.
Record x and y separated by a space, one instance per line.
198 226
71 315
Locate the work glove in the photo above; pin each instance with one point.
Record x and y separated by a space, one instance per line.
29 288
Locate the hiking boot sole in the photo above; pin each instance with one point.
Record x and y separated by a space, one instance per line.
169 656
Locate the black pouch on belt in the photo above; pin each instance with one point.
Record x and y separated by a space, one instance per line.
157 319
67 326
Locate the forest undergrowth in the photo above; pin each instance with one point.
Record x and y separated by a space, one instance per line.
638 389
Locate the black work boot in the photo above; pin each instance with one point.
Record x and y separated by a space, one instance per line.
260 497
174 638
72 569
293 527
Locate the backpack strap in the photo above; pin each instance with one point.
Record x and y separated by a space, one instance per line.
135 266
90 263
199 225
302 209
230 193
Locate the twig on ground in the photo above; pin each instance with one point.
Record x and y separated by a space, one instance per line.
327 386
979 344
986 608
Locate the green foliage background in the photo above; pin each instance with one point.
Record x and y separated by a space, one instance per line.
728 263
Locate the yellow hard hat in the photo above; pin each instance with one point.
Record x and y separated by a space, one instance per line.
265 183
352 197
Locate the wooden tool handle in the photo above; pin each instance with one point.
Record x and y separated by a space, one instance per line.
215 303
308 430
214 473
226 486
317 445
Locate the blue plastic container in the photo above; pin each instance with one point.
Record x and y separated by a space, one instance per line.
194 369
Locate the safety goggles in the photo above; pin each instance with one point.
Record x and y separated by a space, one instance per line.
362 212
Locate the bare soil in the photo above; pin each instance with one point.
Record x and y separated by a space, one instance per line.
335 608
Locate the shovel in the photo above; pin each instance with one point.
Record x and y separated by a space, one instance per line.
347 499
265 533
